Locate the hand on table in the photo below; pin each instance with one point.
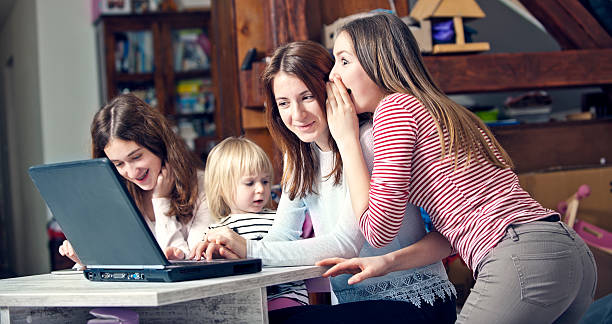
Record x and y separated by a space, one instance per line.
361 268
220 242
174 253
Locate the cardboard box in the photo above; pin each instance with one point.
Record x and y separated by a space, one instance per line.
550 188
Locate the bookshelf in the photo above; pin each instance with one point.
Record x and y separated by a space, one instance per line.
167 59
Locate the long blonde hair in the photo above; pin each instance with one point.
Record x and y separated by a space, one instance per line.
389 54
227 162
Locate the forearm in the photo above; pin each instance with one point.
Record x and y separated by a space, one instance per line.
431 248
357 176
168 229
302 252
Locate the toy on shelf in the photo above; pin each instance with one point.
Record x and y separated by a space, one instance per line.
446 18
420 29
591 234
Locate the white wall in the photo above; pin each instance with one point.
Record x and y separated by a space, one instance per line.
54 96
68 77
19 41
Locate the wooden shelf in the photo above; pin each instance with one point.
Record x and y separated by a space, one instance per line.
490 72
134 77
181 75
163 79
198 115
539 146
521 71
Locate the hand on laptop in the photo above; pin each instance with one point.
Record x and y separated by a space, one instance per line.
220 242
174 253
66 250
165 183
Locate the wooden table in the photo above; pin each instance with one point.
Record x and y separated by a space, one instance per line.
52 298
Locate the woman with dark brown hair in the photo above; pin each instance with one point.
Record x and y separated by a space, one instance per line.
314 181
165 179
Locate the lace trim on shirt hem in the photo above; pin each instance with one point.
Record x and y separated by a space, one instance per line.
415 288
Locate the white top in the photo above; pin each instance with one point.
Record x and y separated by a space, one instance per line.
169 231
337 235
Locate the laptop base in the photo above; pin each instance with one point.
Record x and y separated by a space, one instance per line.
175 273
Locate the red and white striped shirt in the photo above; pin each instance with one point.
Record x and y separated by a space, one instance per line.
470 206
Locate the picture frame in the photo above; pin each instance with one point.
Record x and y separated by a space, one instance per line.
115 7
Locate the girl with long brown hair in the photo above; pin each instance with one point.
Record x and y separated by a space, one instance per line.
434 153
165 179
315 181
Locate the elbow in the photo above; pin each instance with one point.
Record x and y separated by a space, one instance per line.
378 242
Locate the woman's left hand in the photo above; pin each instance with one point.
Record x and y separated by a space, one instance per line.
361 268
165 183
341 114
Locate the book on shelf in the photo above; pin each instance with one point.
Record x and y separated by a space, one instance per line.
192 50
134 52
194 96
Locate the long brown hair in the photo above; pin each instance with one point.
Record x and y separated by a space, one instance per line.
311 63
129 118
389 54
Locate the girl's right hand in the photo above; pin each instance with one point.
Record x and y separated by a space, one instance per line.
341 114
165 183
66 250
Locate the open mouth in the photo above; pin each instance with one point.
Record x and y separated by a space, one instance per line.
143 176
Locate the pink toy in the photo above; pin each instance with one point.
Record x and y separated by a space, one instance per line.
591 234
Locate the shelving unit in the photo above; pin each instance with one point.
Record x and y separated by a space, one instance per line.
168 59
585 61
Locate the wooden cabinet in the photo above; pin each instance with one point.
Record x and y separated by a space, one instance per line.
585 61
169 60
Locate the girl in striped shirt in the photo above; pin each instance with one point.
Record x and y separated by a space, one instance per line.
434 153
237 185
314 181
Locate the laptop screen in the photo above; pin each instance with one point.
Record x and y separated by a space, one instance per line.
97 214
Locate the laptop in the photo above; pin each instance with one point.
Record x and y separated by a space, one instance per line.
100 219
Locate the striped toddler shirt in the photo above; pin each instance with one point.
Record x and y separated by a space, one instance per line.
254 226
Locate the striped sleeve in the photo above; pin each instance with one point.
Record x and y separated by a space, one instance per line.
394 139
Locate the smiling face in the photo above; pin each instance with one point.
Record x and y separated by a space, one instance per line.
366 94
134 162
252 193
300 111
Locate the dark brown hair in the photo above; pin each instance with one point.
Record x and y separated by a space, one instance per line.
311 63
129 118
389 54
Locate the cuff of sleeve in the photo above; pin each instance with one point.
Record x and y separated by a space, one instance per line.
250 248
